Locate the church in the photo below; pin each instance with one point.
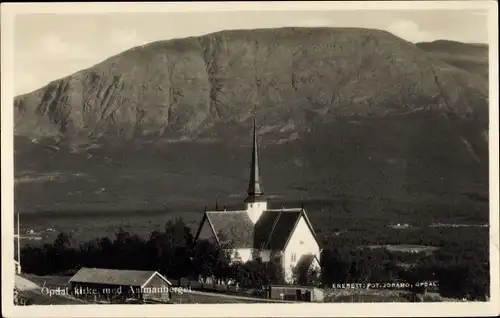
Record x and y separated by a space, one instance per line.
283 235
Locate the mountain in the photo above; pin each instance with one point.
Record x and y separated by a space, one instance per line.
471 57
341 112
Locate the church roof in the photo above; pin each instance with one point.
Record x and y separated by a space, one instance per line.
274 228
232 227
255 191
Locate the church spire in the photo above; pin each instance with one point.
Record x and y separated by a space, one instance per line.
255 190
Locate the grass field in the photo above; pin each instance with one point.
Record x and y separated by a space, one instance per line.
406 248
84 228
351 178
54 282
195 297
37 298
368 299
329 222
35 290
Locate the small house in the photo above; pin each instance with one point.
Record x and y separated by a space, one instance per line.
296 293
114 285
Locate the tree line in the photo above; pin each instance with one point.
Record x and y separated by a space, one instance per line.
171 252
461 270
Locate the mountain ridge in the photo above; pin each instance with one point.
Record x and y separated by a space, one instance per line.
126 84
339 111
423 45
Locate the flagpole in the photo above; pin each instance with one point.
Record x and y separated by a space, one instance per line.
18 247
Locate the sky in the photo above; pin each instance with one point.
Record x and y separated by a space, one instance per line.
51 46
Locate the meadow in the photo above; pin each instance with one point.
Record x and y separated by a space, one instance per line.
368 222
352 202
458 257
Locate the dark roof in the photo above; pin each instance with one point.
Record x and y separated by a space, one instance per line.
232 227
274 228
283 229
113 276
264 227
255 183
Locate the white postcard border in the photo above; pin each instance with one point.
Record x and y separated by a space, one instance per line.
8 11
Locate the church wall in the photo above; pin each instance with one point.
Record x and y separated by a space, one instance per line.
302 242
242 254
246 254
255 209
265 255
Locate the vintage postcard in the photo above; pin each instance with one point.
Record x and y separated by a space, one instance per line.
250 159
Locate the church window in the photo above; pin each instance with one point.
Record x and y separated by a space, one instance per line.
301 242
251 205
294 257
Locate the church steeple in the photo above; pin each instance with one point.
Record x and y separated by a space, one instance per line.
255 190
255 201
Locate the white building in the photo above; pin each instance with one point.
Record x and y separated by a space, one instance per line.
258 231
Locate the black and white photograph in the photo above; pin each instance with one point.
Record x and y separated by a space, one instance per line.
268 158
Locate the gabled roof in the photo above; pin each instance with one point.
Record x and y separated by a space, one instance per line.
264 228
106 276
272 230
232 227
275 227
278 225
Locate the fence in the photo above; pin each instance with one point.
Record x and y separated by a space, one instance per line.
219 288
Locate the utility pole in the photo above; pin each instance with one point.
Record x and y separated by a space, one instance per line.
18 237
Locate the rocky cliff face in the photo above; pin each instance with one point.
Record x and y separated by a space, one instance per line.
293 77
339 110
